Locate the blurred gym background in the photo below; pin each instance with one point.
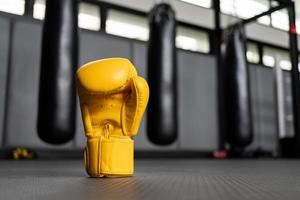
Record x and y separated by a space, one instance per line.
224 83
119 28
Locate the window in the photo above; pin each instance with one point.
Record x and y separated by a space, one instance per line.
298 25
249 8
39 9
227 7
246 9
266 20
127 25
252 53
13 6
89 16
280 19
272 56
191 39
202 3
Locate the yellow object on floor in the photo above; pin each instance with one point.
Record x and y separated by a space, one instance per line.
113 99
22 153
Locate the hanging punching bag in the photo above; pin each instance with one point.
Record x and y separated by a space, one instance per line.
57 102
238 117
162 78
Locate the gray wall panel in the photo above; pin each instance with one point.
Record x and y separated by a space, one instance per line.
23 87
4 46
80 138
95 46
267 108
288 104
139 58
255 108
197 102
263 101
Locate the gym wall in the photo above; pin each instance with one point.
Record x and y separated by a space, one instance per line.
20 42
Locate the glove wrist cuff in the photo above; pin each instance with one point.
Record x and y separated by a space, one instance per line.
109 157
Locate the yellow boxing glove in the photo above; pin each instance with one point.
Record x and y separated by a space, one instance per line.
113 99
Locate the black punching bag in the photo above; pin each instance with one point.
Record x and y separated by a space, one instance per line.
162 76
236 96
57 101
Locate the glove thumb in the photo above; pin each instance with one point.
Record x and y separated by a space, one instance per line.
134 106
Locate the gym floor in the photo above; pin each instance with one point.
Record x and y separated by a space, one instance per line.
153 179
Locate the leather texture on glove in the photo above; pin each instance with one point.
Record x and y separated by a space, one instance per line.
113 99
